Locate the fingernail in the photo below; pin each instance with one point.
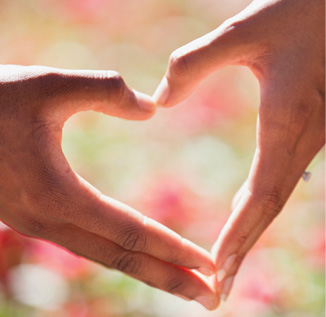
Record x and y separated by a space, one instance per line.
208 302
205 271
226 288
146 106
161 93
226 266
220 275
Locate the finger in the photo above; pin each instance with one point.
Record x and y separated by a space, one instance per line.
242 231
152 271
282 157
277 167
191 63
106 217
236 41
70 91
242 40
135 232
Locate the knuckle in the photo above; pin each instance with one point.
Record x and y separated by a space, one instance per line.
133 239
127 262
242 239
174 285
178 63
271 203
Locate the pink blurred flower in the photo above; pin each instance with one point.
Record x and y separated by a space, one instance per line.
76 308
16 249
13 248
261 290
171 201
256 288
317 248
80 10
60 260
214 102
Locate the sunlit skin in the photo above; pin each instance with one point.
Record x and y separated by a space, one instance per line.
42 197
282 42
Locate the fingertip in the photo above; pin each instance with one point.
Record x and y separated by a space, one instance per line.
162 92
209 298
209 302
208 271
201 256
226 288
145 102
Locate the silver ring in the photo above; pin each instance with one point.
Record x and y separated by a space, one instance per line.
306 176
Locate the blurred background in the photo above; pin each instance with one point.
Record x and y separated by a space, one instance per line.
181 167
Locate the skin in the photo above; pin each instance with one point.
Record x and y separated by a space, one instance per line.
42 197
283 44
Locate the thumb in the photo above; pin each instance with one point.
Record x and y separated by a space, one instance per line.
233 43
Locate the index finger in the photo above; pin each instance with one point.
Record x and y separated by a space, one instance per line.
135 232
284 149
98 214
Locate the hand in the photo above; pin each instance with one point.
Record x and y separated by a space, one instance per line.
42 197
282 42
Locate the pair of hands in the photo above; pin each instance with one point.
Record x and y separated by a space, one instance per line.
281 41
